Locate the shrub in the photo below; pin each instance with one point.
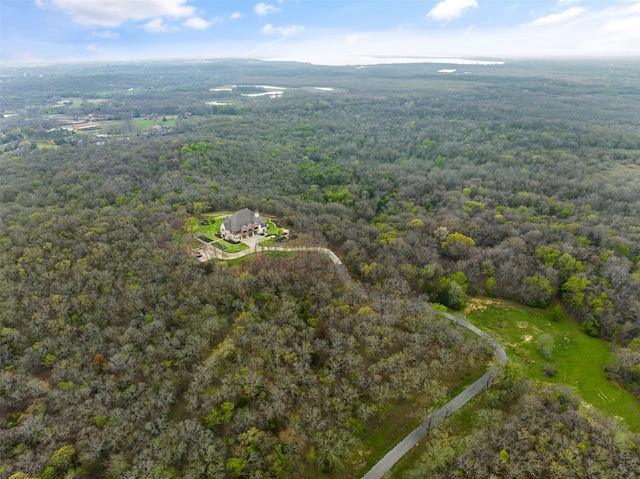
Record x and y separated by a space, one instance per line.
549 370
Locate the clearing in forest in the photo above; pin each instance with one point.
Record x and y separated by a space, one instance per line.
558 352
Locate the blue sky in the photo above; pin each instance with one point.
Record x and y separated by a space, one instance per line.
318 31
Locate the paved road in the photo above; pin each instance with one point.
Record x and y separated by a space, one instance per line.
385 464
434 420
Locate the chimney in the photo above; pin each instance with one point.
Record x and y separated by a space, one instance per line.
255 214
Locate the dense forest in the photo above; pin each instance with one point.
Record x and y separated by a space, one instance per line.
123 356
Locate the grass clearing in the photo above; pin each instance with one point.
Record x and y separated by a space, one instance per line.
145 124
47 146
217 214
139 124
79 102
531 336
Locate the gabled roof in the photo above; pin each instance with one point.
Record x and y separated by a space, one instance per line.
242 218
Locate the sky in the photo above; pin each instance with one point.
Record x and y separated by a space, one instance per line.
329 32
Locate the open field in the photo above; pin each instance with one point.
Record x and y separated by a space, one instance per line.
532 337
78 102
141 124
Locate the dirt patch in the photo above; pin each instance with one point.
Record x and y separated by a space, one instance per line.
479 304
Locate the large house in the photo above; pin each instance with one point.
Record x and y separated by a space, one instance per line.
243 224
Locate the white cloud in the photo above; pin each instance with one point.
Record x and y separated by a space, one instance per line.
156 25
264 9
602 30
108 35
112 13
449 9
356 37
269 29
236 15
196 23
568 2
624 27
556 18
635 8
93 48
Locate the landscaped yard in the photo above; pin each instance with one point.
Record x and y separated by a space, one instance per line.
216 220
213 228
230 247
532 337
210 230
268 242
273 229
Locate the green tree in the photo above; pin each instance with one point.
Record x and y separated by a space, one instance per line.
457 245
20 475
64 457
219 416
538 291
235 466
452 290
574 291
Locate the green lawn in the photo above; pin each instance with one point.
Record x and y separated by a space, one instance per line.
229 247
209 230
268 242
46 146
579 360
272 229
146 124
217 214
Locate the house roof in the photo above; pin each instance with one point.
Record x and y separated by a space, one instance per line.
242 218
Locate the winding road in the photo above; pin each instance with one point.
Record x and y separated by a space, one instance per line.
438 417
385 464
